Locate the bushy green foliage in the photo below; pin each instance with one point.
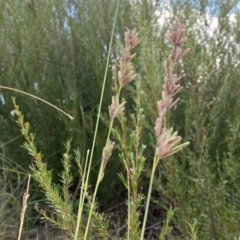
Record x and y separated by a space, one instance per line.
59 56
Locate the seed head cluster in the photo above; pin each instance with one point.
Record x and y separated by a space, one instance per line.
168 142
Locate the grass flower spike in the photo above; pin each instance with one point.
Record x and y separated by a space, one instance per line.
176 40
126 73
167 142
116 109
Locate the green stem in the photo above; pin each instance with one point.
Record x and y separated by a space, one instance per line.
155 162
96 128
129 209
82 197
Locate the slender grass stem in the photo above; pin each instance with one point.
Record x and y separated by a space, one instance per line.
40 99
155 161
97 122
25 198
129 209
82 196
100 174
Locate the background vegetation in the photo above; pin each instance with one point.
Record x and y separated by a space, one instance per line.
57 50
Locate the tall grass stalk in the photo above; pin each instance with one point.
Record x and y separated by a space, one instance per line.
130 151
167 142
124 76
101 170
